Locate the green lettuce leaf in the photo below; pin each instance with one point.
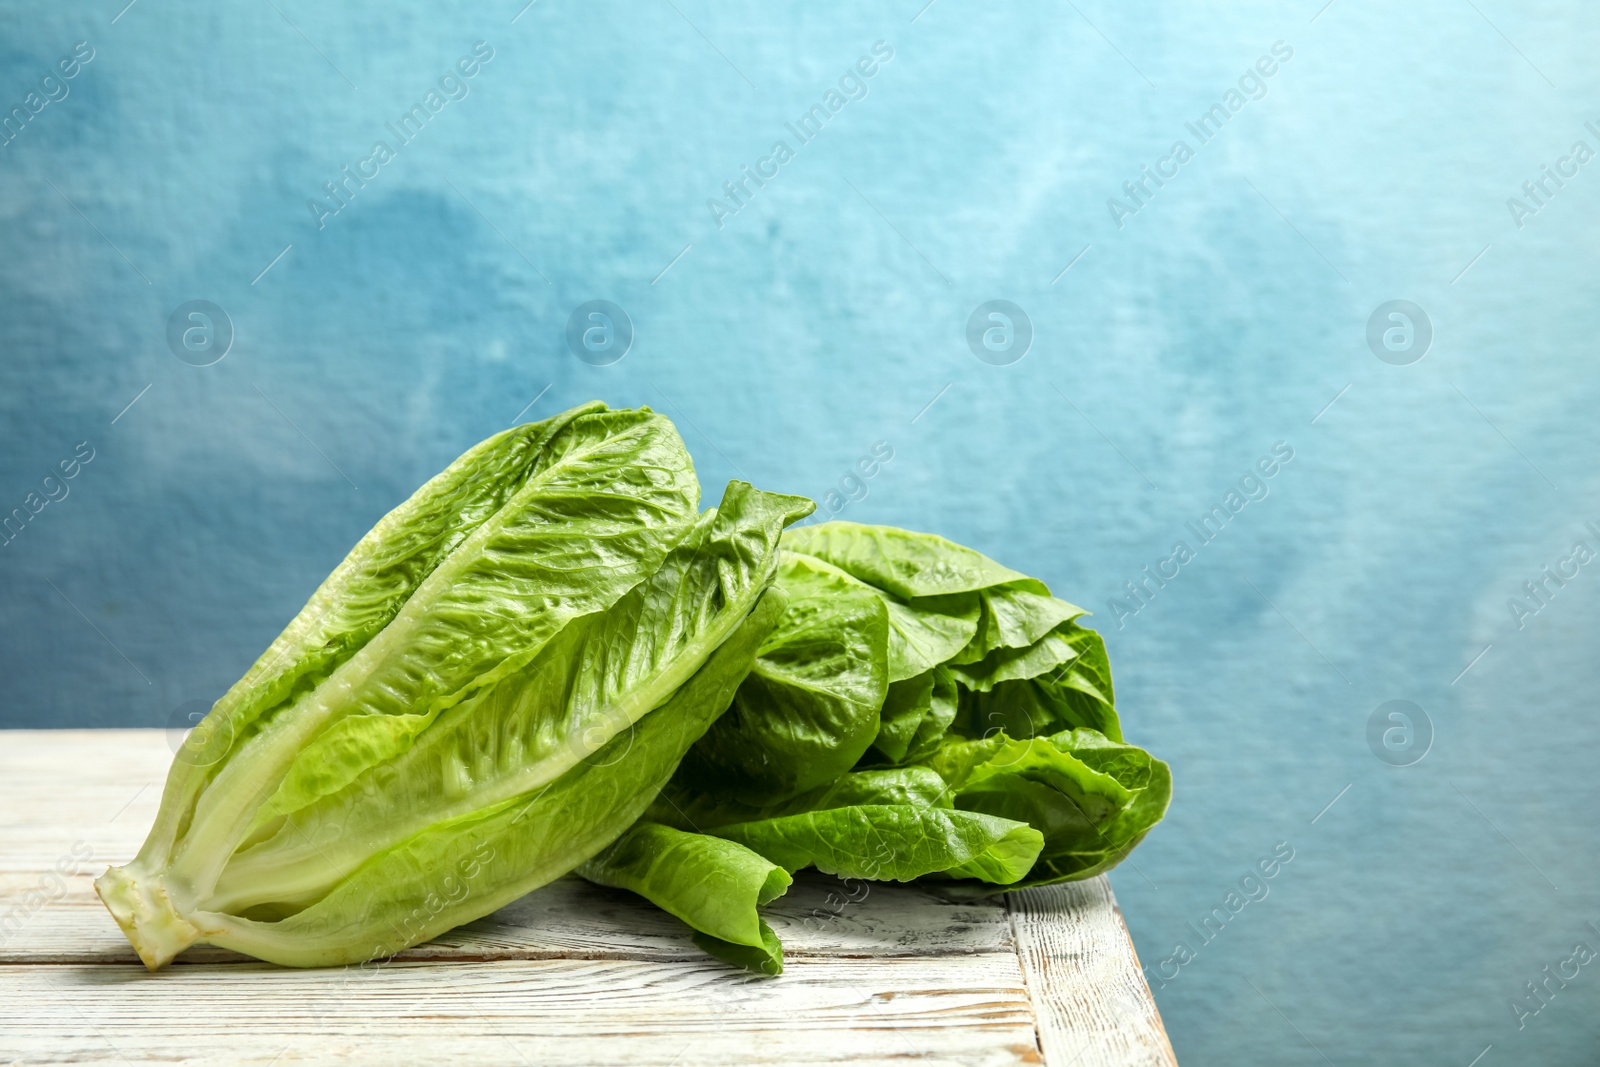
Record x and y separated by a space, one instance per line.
599 676
1061 681
923 632
714 885
1015 615
362 595
809 709
894 842
463 868
545 599
1092 799
766 959
701 808
907 703
1045 656
902 562
915 716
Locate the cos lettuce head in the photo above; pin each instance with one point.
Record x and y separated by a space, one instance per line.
488 690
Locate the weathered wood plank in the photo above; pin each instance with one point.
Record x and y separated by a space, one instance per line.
971 1010
43 920
571 973
1093 1005
57 840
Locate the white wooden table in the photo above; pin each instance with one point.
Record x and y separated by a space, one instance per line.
570 974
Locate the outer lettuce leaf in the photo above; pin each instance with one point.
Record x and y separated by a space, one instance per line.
924 571
1004 863
1015 615
710 883
598 677
1147 778
923 632
919 786
612 494
767 959
356 601
894 842
466 867
810 707
895 823
1035 782
1045 656
902 562
1084 687
928 631
1093 799
690 807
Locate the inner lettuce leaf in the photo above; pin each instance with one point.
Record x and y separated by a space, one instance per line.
551 596
1063 681
809 709
907 703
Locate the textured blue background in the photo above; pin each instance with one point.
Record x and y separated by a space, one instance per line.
827 315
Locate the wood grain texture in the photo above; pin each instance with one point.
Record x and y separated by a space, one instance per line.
1093 1005
967 1010
571 973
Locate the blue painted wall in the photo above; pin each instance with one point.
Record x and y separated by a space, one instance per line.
1202 322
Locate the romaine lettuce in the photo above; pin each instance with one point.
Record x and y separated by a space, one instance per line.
523 671
488 690
997 761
